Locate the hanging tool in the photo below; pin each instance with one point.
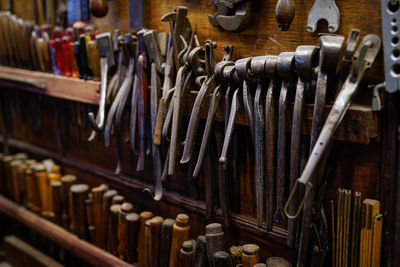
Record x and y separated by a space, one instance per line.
284 14
206 88
324 10
270 136
106 61
391 43
306 59
285 68
362 60
231 15
331 47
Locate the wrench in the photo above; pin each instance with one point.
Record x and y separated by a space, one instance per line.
324 9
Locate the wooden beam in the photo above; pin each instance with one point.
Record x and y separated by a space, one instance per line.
80 248
50 84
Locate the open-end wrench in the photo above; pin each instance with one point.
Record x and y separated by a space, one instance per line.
324 10
306 60
270 136
286 72
241 10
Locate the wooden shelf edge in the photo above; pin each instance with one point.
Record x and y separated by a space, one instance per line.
244 223
80 248
55 86
359 125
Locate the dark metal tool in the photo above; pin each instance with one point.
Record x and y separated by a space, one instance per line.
232 15
306 59
285 68
205 89
270 136
257 67
106 61
324 10
284 14
214 104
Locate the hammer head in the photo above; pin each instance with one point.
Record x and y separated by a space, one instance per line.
105 47
285 66
306 59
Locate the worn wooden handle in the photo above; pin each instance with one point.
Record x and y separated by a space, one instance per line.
99 8
284 14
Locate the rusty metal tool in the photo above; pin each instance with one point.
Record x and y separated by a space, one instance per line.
154 98
324 10
285 68
142 103
207 86
331 47
362 60
242 67
284 14
214 104
230 72
270 136
306 59
257 71
232 15
106 61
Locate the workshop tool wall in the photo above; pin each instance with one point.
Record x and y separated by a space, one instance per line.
363 157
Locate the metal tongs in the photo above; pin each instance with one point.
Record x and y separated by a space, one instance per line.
362 61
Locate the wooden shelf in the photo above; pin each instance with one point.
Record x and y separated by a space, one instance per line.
70 242
50 84
360 124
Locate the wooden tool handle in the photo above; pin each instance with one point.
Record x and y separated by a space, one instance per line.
154 240
132 231
165 244
141 250
56 201
186 254
122 237
284 14
43 186
215 240
22 182
221 259
93 59
78 195
99 8
66 182
97 196
250 255
14 179
89 219
117 199
106 204
113 228
236 254
180 233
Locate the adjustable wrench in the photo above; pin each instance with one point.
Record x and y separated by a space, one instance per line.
306 60
324 9
285 69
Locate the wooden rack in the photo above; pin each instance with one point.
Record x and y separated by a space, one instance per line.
360 124
80 248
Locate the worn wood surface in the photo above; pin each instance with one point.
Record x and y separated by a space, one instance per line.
354 166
